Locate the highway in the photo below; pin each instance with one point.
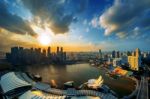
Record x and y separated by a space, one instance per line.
143 89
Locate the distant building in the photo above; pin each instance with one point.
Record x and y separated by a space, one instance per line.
110 60
137 52
135 60
117 62
124 59
113 54
49 52
44 52
133 53
57 50
117 54
128 53
100 54
21 56
145 55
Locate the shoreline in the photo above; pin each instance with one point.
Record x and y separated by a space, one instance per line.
111 87
122 77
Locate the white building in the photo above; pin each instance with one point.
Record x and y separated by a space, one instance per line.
95 83
117 62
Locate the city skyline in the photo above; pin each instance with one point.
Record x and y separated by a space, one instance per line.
87 25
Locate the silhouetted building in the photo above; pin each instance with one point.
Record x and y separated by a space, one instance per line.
128 53
49 52
44 53
100 54
117 54
21 56
57 50
113 54
61 49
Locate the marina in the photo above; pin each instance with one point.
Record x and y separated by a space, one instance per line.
80 73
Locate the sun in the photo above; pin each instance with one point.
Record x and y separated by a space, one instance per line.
44 39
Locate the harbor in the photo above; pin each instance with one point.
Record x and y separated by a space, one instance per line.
58 75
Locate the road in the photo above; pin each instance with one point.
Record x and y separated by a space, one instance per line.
143 89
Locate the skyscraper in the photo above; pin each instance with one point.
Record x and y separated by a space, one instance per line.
113 54
14 50
117 54
57 50
100 54
61 49
49 51
39 50
44 52
135 60
64 56
137 52
128 53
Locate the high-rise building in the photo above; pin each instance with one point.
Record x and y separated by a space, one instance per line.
61 49
44 52
21 56
57 50
49 51
61 54
133 53
128 53
113 54
14 50
137 52
100 54
14 55
64 56
20 48
39 50
117 54
135 60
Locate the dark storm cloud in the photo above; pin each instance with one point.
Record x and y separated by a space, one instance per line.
125 16
58 13
12 22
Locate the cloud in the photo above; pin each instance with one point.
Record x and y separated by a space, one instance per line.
80 37
121 34
94 22
9 39
85 22
87 29
124 16
57 13
12 22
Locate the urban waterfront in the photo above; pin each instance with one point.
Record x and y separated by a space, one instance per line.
74 49
81 73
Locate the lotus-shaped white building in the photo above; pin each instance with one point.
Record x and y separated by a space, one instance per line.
95 83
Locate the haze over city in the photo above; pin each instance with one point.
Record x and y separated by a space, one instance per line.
76 25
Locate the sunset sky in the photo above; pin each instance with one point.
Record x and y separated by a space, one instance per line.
77 25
